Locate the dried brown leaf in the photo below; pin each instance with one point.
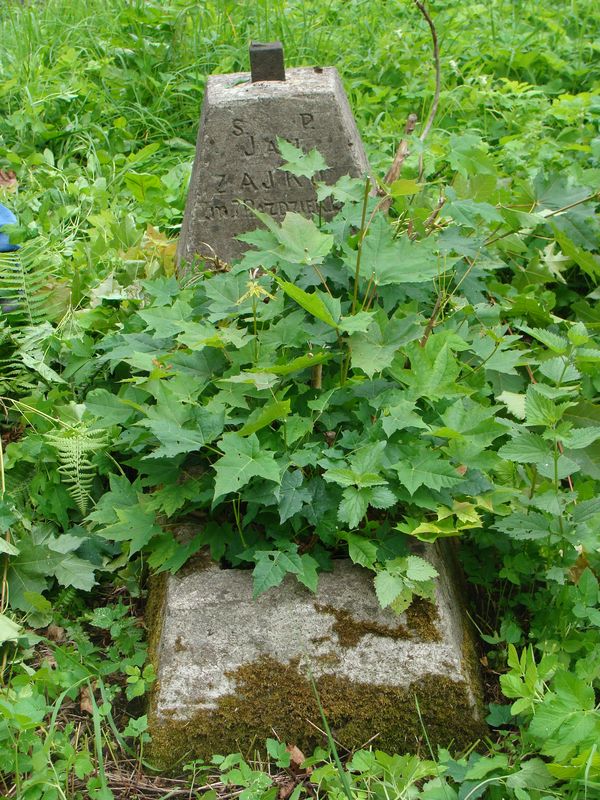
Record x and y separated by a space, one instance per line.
85 700
8 180
297 758
286 789
55 633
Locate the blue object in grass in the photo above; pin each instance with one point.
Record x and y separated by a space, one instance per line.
6 218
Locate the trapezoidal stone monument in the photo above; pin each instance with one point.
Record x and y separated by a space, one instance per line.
237 158
233 670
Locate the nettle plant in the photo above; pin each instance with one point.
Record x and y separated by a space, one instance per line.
347 387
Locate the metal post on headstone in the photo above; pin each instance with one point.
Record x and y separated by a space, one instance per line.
266 61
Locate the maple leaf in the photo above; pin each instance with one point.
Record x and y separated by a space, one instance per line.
425 468
242 460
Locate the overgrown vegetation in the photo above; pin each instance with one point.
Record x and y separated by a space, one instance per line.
449 386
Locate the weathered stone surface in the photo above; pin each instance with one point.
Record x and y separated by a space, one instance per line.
237 156
231 670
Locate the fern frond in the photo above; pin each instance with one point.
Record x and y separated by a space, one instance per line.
17 480
26 283
75 448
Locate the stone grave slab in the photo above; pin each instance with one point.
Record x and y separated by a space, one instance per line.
237 159
233 670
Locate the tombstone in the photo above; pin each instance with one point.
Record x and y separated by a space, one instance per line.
237 159
233 671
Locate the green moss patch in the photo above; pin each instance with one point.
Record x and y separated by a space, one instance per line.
420 624
272 696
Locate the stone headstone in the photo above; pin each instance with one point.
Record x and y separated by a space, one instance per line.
237 159
232 671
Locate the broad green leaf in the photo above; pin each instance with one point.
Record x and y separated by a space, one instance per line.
9 630
402 600
381 497
243 459
469 212
74 571
587 460
584 414
122 494
271 568
533 774
295 365
41 556
344 476
260 380
388 587
577 438
344 190
527 448
356 323
175 439
425 468
521 527
565 466
8 548
7 516
291 494
167 320
107 407
418 569
261 417
559 370
307 574
558 344
433 369
361 550
299 163
541 410
135 525
300 241
35 361
312 303
143 186
368 458
353 506
404 186
588 262
432 530
374 350
396 260
467 153
400 416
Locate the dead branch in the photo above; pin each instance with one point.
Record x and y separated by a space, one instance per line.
394 171
438 71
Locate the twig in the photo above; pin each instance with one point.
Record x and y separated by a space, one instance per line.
432 320
401 153
433 216
438 72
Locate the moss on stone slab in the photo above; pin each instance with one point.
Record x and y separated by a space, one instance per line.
272 696
421 617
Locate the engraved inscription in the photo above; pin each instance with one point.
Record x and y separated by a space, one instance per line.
242 208
250 179
241 166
